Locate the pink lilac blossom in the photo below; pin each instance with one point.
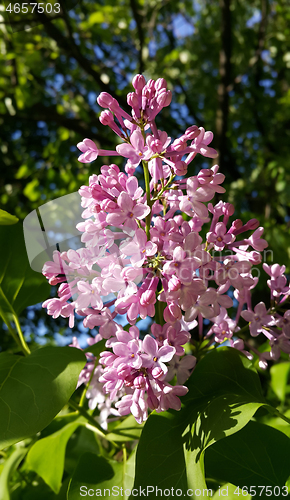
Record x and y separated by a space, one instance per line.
141 259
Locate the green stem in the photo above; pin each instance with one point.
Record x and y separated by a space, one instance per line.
13 333
25 347
88 417
277 412
124 462
83 396
148 197
167 185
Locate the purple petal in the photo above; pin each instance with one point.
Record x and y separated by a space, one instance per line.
137 140
166 353
125 202
90 155
82 147
140 211
141 238
125 150
121 349
151 248
260 309
90 144
150 346
247 315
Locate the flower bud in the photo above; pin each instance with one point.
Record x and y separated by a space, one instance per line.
138 83
147 298
140 382
180 168
156 146
161 98
157 372
174 284
160 83
106 117
228 209
252 224
151 84
239 344
104 99
192 132
168 98
123 370
179 144
132 100
172 313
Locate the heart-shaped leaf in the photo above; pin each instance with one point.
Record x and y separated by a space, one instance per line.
224 393
34 389
257 456
46 456
102 476
20 286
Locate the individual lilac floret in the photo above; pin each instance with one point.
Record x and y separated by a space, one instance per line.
284 323
91 152
274 271
181 367
278 286
136 151
139 248
257 318
220 237
155 357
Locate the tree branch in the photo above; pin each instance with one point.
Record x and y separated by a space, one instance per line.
259 47
139 24
225 79
70 47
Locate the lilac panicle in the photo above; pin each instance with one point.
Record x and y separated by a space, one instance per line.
141 258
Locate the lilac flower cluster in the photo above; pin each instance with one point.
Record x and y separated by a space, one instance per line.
142 258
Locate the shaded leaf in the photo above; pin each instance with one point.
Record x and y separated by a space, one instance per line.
257 455
34 389
224 393
97 473
20 286
10 466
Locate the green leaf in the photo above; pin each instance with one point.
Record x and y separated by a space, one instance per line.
83 441
277 422
98 474
224 393
46 456
257 455
279 378
10 466
7 219
20 286
128 430
224 371
97 348
34 389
